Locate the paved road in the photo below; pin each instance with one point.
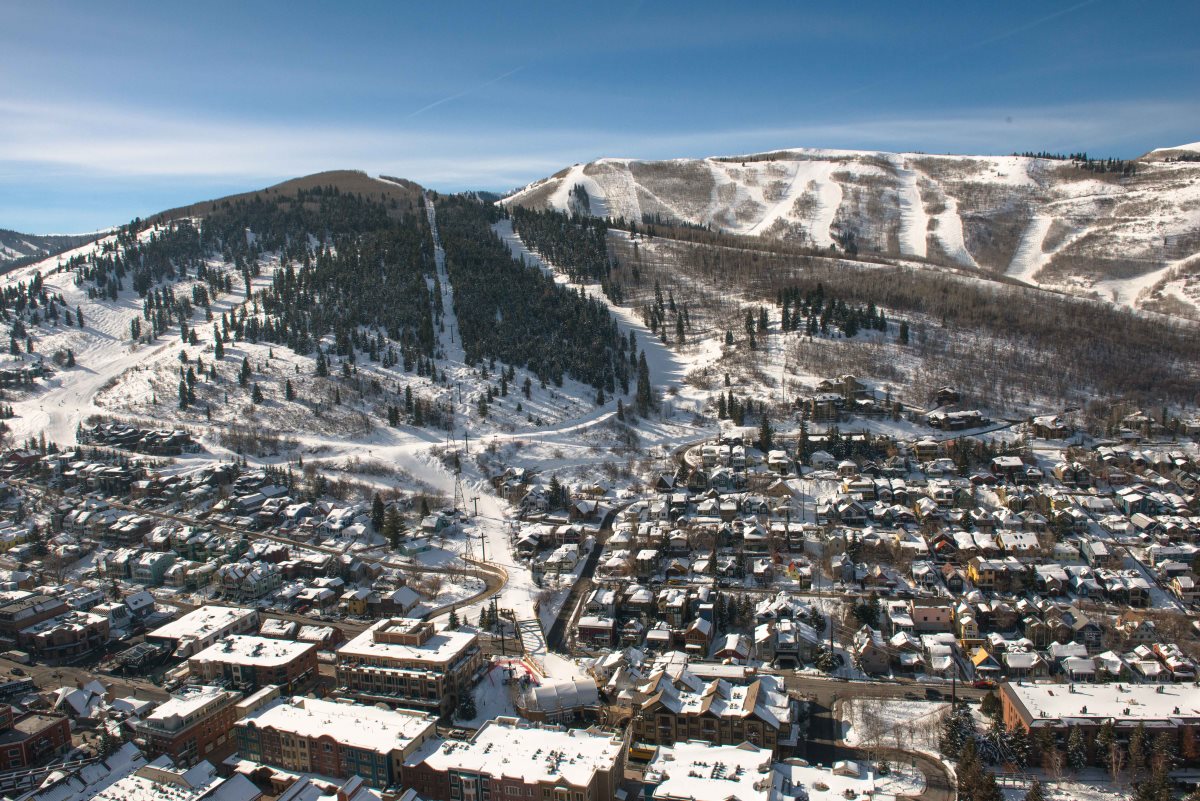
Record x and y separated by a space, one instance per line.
556 638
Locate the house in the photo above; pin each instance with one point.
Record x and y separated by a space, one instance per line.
870 651
1184 588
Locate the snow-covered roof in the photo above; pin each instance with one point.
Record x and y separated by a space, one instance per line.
371 728
1120 702
200 623
703 772
160 781
249 649
507 747
439 648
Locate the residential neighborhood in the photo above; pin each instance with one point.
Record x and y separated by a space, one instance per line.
224 630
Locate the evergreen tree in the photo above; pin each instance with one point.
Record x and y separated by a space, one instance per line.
183 395
990 705
1035 792
377 512
645 399
391 527
453 623
555 493
1019 746
1163 754
1076 750
766 435
957 730
218 344
288 392
244 372
1138 749
903 338
256 395
1106 737
1156 788
974 782
466 707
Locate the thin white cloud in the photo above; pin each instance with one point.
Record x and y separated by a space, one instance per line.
99 141
464 92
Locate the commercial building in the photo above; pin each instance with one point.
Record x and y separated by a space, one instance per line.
340 740
1058 707
250 662
162 781
407 662
195 724
32 738
66 637
20 609
509 758
202 627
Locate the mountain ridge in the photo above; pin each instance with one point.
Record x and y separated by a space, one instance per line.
1128 232
18 249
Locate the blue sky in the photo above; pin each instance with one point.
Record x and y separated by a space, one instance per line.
118 109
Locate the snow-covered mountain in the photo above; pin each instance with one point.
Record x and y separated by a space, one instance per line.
17 248
1130 236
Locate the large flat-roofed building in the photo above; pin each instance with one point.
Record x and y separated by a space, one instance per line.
251 661
162 781
1058 707
407 662
20 609
510 758
307 735
696 771
202 627
66 637
32 738
195 724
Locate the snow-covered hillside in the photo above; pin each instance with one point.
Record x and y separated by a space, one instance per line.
1132 239
16 247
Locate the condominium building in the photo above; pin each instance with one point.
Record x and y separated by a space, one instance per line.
408 663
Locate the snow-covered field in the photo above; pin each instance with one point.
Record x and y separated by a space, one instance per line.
892 723
1090 785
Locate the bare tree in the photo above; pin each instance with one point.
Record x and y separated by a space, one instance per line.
1116 761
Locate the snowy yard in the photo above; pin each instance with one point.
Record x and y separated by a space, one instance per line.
892 723
1091 785
493 697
